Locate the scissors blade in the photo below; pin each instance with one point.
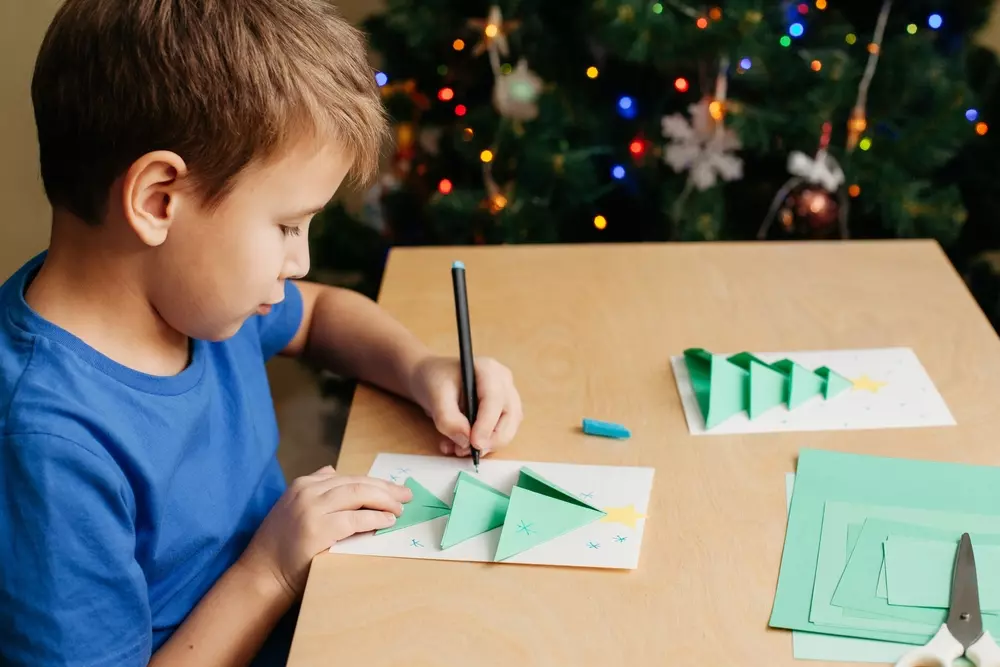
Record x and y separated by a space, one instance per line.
965 619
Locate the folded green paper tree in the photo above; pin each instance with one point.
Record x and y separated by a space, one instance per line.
424 506
725 386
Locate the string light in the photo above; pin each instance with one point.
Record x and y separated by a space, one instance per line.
444 187
618 172
491 30
592 72
715 109
681 84
745 63
854 190
981 128
637 147
821 4
600 222
865 144
912 28
715 14
873 48
460 110
934 21
458 44
702 22
803 8
796 29
626 107
657 8
816 65
381 78
851 38
467 134
506 68
486 155
446 94
785 41
497 203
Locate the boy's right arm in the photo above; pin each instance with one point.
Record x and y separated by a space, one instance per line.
231 622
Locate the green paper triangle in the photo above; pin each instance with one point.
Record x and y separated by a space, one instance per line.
835 383
719 386
532 481
533 518
803 384
424 506
767 388
477 508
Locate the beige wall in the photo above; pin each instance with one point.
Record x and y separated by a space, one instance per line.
25 212
24 222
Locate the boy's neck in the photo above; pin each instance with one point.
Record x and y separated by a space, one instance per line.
92 287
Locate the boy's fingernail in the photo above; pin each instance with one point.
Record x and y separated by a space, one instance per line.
390 517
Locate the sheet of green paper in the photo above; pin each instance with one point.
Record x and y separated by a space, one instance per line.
477 508
867 561
719 386
540 511
830 476
881 590
919 571
424 506
813 646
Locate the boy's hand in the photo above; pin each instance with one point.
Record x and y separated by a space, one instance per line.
436 386
315 512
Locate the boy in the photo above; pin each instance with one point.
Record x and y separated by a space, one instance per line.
185 145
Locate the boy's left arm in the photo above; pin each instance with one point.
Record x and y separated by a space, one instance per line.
350 334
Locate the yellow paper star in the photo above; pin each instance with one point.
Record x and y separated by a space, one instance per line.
626 516
866 383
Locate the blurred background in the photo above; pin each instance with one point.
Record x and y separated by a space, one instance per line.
606 121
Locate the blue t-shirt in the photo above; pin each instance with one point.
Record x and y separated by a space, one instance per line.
125 496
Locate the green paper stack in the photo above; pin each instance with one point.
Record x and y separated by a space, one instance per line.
869 549
725 386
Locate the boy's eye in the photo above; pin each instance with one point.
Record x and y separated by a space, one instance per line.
290 231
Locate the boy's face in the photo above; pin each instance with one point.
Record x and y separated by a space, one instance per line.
217 268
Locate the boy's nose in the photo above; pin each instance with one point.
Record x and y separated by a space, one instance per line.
297 261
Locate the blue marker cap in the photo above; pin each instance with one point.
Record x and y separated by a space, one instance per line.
458 265
605 429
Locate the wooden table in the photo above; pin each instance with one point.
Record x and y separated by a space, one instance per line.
588 331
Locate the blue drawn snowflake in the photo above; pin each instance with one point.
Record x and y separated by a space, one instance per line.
525 528
393 478
589 495
403 471
416 543
593 545
619 539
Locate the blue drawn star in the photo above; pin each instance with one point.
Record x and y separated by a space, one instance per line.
587 496
593 545
619 539
525 528
416 543
403 471
393 478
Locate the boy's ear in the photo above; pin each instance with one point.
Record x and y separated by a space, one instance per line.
151 191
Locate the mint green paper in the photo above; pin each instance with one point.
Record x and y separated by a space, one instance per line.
477 508
719 386
867 560
834 383
830 476
813 646
767 387
919 571
423 506
882 590
803 384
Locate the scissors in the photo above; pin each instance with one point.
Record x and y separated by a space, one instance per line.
962 632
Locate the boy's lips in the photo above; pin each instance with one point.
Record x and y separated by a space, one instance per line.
264 308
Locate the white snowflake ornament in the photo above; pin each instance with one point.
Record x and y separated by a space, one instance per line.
701 147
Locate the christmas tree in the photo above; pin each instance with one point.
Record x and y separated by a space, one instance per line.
628 120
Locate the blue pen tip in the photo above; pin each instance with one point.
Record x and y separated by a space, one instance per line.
458 265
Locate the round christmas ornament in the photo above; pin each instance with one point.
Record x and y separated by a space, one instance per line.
515 94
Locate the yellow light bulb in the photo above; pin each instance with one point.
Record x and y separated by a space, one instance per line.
865 144
491 30
820 4
592 72
486 155
851 38
600 222
715 110
458 45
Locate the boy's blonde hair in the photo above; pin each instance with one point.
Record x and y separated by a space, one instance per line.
223 83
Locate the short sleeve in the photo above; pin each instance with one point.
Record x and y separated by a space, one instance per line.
71 591
278 328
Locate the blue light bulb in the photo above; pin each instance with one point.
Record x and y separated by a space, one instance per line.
796 29
972 114
381 78
618 172
745 63
934 21
626 107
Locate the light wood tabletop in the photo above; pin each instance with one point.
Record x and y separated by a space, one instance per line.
589 331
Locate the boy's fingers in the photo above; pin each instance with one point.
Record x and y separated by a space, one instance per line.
490 409
345 524
505 430
366 492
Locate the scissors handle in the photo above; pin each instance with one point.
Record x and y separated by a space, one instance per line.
984 652
941 651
